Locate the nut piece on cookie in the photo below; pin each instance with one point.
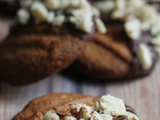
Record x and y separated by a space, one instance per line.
115 108
157 49
145 56
39 11
51 115
156 41
132 116
100 26
133 28
23 16
52 4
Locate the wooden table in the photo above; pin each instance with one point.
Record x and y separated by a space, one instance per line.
142 94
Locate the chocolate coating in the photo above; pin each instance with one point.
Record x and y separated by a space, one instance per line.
135 65
114 55
130 109
120 118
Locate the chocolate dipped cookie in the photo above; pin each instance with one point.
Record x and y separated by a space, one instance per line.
75 106
130 47
48 37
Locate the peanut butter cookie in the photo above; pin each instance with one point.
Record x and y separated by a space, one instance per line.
76 106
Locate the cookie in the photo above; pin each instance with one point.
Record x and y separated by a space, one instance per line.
34 52
63 105
130 47
46 40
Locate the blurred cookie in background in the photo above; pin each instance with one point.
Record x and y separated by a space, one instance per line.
47 38
130 47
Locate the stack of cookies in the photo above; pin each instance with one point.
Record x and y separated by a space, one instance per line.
100 39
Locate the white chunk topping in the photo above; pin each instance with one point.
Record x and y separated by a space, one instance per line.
120 4
138 17
84 4
155 27
51 115
136 3
105 6
110 106
97 106
95 11
23 16
157 49
64 4
86 25
70 118
131 116
118 14
74 3
82 21
131 9
145 56
106 117
145 26
114 106
52 4
51 16
100 26
75 107
85 112
156 41
39 11
147 13
133 28
96 116
59 20
56 12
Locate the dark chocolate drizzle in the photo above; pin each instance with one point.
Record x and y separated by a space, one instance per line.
130 109
121 118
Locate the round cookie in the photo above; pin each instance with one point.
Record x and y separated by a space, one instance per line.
64 105
46 40
116 55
